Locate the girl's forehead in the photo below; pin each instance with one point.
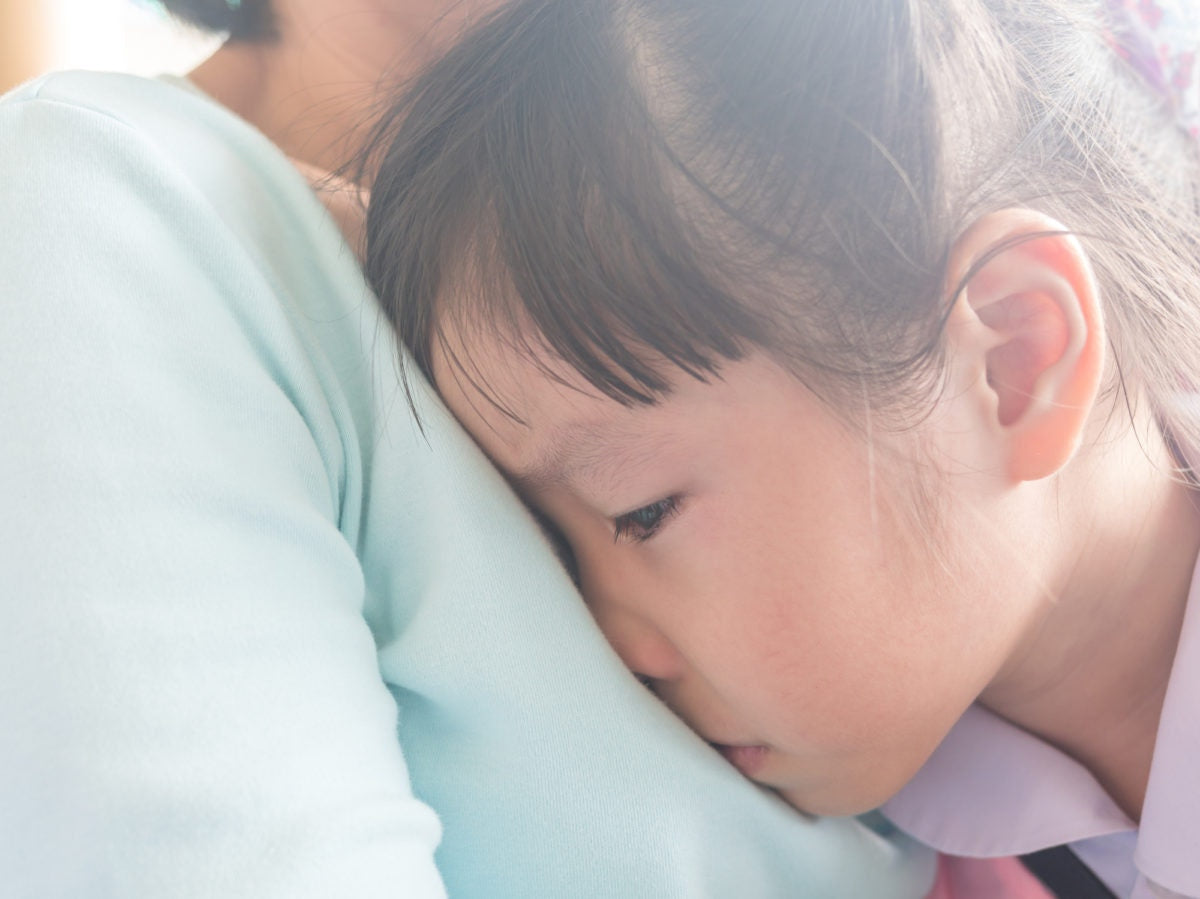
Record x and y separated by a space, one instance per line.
537 418
542 423
498 359
486 345
522 404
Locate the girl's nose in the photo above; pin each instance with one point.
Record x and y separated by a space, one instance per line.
643 648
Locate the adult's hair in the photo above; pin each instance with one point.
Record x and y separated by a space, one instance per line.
687 180
250 20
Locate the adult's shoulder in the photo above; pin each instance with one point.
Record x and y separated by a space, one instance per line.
182 640
166 112
118 94
144 138
141 214
161 169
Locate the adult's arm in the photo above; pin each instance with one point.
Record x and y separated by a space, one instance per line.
190 703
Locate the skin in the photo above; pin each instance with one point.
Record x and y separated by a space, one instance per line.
314 90
25 44
761 563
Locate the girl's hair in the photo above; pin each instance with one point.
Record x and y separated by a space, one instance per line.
249 20
639 184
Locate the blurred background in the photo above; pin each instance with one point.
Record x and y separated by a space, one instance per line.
123 35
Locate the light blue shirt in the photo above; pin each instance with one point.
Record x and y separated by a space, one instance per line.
233 571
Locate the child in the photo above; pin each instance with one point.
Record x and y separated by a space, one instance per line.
847 346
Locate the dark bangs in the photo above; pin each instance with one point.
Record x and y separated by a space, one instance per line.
525 176
639 186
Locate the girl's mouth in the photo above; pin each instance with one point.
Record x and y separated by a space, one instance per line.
747 759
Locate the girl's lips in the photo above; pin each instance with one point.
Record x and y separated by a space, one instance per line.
747 759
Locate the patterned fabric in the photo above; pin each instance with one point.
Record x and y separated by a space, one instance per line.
1159 39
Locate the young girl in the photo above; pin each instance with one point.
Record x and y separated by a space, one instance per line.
259 635
848 347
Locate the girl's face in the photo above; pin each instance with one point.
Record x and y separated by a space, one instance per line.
758 562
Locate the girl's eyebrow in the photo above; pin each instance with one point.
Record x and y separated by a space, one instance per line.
570 449
578 451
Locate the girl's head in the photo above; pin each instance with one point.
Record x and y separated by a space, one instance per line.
768 308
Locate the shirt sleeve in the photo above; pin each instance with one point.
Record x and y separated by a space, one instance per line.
190 702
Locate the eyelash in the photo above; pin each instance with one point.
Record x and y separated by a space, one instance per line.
634 527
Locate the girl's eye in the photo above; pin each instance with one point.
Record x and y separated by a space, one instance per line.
642 524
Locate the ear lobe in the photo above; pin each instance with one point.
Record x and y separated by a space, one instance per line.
1038 335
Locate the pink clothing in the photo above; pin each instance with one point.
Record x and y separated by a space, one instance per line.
986 878
992 789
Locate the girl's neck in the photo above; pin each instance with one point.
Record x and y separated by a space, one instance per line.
1091 675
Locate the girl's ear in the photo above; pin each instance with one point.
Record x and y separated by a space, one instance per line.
1028 334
